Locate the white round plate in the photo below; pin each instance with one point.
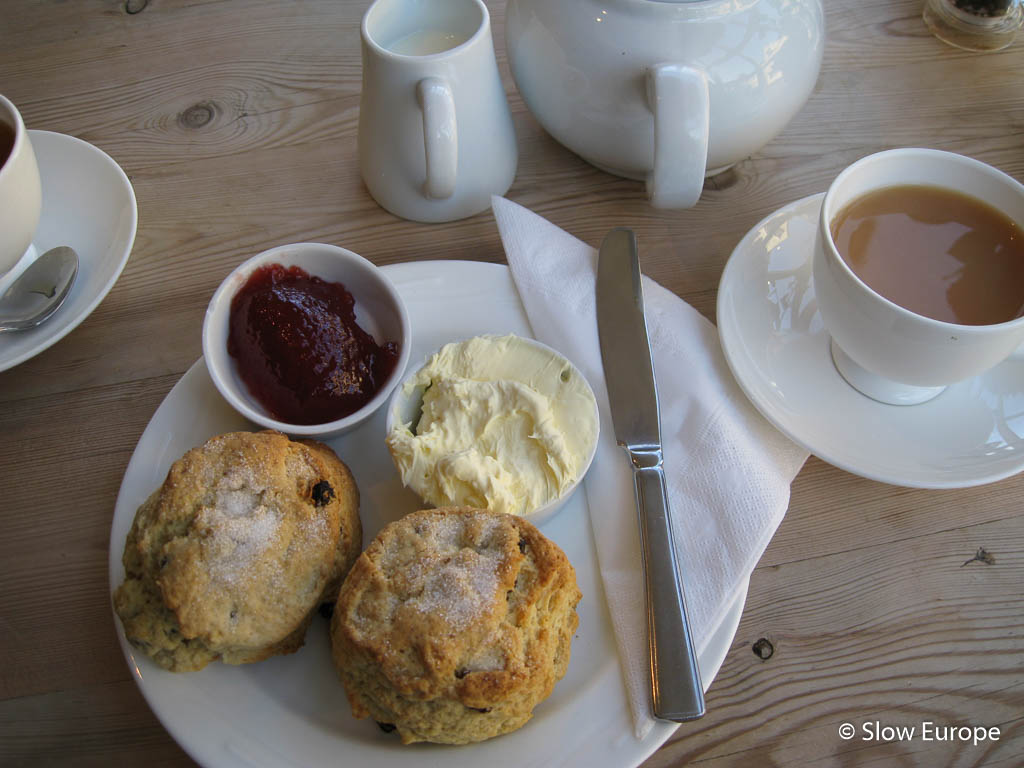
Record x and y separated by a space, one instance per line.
291 710
89 204
778 349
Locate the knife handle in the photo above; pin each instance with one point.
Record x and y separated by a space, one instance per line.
675 678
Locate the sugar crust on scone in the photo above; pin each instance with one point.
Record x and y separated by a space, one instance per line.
454 624
231 556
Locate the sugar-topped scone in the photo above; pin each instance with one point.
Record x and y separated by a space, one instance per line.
454 624
232 555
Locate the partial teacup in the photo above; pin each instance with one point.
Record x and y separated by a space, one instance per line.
918 257
21 199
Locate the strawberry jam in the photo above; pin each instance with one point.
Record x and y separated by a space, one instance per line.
299 349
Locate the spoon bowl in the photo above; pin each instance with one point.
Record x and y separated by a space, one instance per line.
39 291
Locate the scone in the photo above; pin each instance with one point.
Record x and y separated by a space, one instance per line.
233 554
454 624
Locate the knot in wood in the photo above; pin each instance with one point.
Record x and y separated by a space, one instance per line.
981 556
197 116
131 7
763 649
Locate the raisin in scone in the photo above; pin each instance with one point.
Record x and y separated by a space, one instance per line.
231 556
454 624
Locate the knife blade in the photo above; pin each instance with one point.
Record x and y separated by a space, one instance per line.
677 693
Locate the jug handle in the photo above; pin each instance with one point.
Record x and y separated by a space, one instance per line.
440 136
678 97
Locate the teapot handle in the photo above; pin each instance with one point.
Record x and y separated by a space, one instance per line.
440 136
678 98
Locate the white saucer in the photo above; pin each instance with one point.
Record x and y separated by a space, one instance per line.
778 349
89 204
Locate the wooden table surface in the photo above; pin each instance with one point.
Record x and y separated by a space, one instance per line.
236 122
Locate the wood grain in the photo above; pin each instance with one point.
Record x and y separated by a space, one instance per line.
236 122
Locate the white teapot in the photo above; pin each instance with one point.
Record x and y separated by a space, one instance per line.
669 91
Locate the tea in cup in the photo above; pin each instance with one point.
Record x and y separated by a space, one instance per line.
21 199
435 133
919 271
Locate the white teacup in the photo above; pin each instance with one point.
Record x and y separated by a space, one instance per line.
882 349
21 200
435 132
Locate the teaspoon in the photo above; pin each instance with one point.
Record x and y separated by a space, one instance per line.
39 290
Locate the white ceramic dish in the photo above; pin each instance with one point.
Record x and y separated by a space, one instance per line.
664 91
778 350
291 711
379 311
436 137
919 355
21 196
405 407
88 204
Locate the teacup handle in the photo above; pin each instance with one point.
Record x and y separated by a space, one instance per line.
678 98
440 136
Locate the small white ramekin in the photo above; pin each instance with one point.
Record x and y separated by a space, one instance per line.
380 311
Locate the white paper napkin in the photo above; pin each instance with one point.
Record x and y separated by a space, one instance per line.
728 470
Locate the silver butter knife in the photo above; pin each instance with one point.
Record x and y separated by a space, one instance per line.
629 372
